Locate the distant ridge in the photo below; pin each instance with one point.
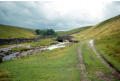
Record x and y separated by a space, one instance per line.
73 31
7 31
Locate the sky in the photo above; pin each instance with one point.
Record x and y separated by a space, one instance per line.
57 14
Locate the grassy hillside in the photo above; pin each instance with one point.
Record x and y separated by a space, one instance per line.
7 31
15 32
77 30
107 35
105 29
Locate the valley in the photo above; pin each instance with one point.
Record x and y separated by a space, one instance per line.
92 54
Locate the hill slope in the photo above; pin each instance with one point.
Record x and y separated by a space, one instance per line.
7 31
107 35
73 31
105 29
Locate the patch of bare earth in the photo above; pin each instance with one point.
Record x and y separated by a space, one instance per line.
81 66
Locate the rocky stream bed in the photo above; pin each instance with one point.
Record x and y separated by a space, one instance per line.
8 54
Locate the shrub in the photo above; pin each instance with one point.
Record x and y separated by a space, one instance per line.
48 32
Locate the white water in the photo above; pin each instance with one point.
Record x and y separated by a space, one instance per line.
60 45
10 57
91 42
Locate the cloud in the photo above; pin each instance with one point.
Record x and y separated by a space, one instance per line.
58 15
112 9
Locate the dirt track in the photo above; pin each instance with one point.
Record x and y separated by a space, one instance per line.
82 67
112 69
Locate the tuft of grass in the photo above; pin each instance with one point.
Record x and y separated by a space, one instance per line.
4 75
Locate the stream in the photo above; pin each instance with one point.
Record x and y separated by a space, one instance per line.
17 55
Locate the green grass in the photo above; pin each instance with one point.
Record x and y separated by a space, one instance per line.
7 31
94 66
20 48
56 65
42 42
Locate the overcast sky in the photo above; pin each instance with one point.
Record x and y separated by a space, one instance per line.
58 15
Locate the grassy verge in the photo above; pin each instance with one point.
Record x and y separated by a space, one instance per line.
95 68
20 48
110 49
56 65
44 42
